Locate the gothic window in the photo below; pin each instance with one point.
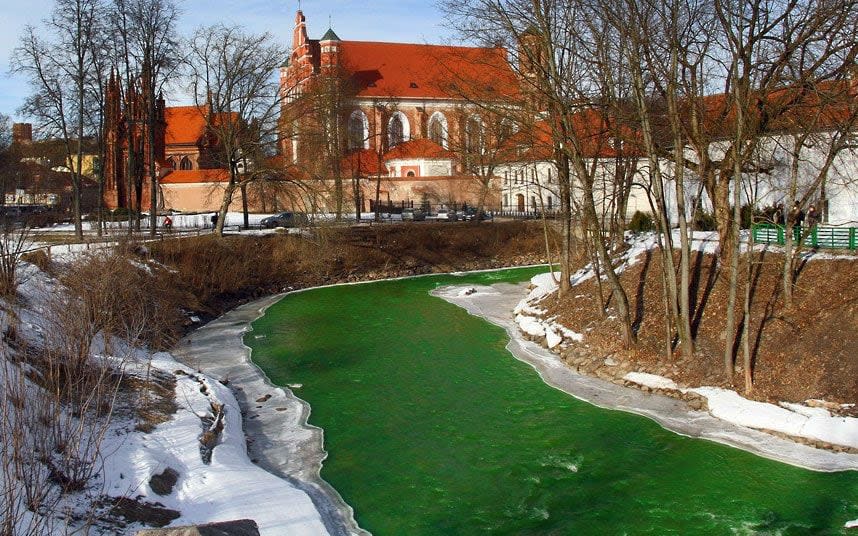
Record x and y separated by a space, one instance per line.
185 163
171 163
438 129
506 129
358 131
398 129
474 135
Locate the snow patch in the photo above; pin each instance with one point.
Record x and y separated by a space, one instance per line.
552 338
653 381
809 423
530 325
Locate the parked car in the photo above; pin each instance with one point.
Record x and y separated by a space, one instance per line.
446 215
285 219
471 214
413 214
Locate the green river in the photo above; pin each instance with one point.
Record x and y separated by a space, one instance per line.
433 427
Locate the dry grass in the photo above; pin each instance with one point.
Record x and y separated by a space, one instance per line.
218 273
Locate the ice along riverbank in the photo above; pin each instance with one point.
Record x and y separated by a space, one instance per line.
495 304
275 421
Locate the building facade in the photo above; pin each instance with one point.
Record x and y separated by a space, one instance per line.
413 109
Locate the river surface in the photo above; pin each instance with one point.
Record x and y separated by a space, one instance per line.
433 427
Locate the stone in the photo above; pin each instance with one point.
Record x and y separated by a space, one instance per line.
241 527
163 483
611 362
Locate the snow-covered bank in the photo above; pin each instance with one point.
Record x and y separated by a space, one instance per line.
226 487
229 487
495 304
812 423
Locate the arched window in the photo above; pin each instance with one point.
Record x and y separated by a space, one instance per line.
410 174
186 163
358 130
474 135
398 129
438 129
171 162
506 130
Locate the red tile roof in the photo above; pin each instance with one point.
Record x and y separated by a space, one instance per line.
594 131
185 124
196 176
407 70
419 148
364 162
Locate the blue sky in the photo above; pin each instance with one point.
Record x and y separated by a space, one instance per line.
413 21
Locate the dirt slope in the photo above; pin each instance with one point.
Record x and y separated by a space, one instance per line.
808 351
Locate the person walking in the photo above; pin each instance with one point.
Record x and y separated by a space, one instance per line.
795 219
168 224
812 216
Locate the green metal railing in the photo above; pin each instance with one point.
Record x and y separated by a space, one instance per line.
817 236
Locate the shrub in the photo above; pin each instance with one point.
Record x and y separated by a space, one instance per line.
641 222
704 221
759 215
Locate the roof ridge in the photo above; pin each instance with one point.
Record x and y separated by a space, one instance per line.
467 47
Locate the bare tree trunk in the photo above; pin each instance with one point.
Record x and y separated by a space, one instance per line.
244 210
746 327
564 182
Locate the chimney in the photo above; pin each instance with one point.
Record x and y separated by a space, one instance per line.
22 133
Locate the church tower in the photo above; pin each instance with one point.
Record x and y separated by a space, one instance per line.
330 48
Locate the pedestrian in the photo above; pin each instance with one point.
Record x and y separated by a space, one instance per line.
168 224
779 214
795 219
796 215
214 220
812 216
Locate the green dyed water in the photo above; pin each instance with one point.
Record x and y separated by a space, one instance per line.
432 427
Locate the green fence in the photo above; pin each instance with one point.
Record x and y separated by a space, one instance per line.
817 237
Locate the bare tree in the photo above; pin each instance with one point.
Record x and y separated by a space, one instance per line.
232 77
320 116
58 62
147 39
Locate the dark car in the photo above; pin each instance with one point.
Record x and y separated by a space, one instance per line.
472 214
285 219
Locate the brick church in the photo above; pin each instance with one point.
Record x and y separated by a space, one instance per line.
410 111
185 152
